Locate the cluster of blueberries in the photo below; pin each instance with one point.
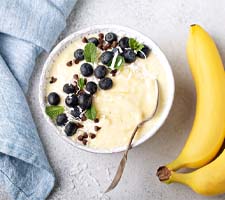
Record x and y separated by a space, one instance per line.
81 101
77 102
128 54
107 56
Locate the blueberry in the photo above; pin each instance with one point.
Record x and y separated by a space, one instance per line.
61 119
107 57
129 56
69 88
71 101
76 112
100 71
79 54
53 98
84 101
105 83
146 50
124 42
114 50
86 69
70 128
110 37
91 87
94 41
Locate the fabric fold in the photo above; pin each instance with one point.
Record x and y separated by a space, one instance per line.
26 29
38 22
23 164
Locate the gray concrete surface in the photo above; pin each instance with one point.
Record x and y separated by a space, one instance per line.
83 176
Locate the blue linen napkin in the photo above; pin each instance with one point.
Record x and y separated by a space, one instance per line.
26 29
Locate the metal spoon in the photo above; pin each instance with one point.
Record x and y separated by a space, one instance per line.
123 161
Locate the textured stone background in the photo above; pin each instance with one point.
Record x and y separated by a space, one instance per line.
83 175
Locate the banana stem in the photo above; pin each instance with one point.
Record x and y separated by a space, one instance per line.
167 176
164 174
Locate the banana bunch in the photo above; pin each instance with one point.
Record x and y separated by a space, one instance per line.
208 131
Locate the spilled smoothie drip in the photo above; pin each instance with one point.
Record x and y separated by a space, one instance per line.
100 87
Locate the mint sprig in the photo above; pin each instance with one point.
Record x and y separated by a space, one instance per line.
135 45
54 111
119 62
81 83
90 52
91 113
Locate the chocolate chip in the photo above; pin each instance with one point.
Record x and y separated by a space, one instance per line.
100 46
84 141
80 125
101 35
97 128
85 135
114 44
76 61
101 41
53 80
92 135
81 92
80 137
96 120
83 118
69 63
107 46
75 76
84 40
113 72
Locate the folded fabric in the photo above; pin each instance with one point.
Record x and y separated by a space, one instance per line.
26 29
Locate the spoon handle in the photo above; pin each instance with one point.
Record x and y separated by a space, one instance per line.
123 161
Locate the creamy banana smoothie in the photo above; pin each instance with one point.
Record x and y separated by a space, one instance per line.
101 86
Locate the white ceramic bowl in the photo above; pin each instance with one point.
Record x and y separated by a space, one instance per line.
119 30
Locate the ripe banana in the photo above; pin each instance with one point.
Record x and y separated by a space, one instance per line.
208 180
208 131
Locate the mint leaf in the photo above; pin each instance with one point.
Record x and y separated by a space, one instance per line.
140 47
90 52
54 111
119 62
91 113
80 83
135 45
132 43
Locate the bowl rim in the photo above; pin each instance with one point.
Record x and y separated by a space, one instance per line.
126 29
